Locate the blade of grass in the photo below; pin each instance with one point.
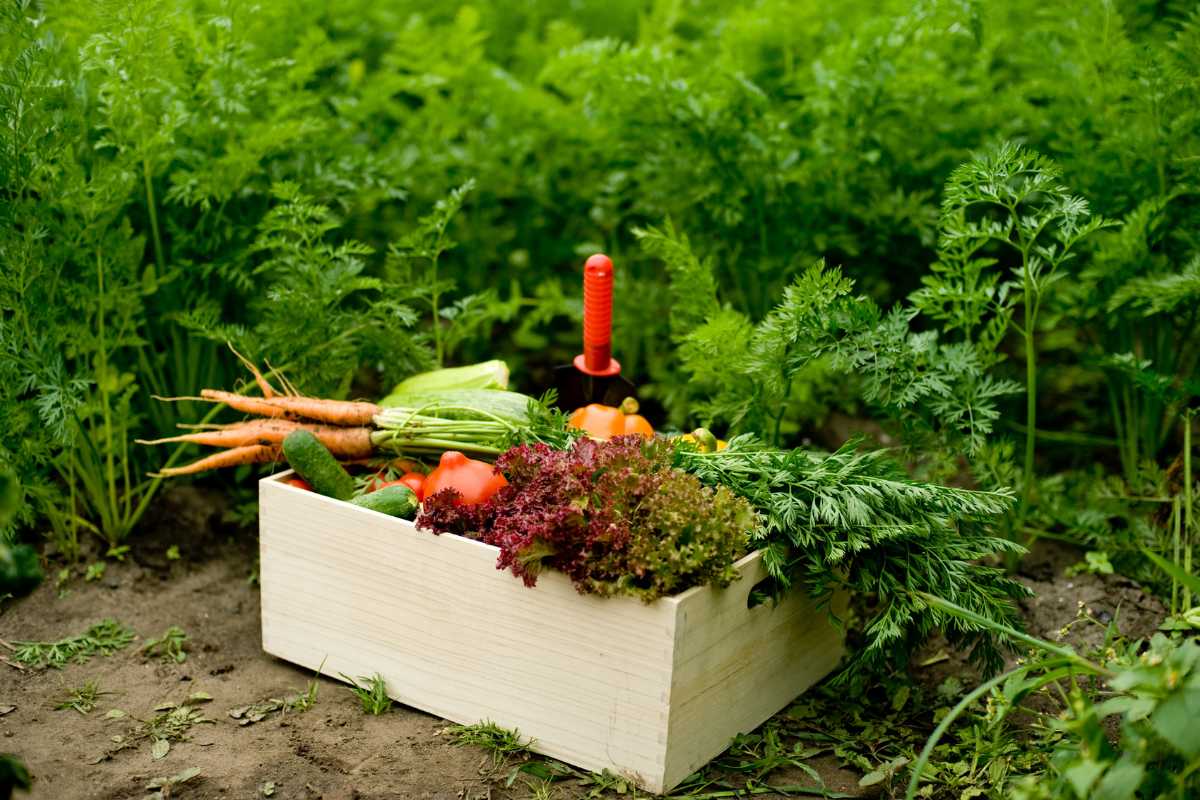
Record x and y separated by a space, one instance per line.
1190 583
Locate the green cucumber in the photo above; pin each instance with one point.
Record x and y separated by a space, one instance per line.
313 462
396 501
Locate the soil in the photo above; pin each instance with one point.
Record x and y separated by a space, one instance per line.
1058 600
333 750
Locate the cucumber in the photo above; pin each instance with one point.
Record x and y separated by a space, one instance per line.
396 501
313 462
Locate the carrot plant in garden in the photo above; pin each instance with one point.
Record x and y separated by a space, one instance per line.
1010 201
967 230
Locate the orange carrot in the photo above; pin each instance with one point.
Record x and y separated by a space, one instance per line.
250 454
342 442
333 412
254 431
259 406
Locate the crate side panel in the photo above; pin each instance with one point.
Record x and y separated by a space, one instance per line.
736 666
588 679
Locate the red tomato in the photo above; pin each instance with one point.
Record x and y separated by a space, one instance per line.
299 483
414 481
377 482
475 481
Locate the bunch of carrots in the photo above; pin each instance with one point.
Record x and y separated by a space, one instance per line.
345 427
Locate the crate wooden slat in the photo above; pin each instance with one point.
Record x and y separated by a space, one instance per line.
649 691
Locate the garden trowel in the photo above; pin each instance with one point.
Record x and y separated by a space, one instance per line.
594 376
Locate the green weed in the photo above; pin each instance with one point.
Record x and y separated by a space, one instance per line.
165 787
500 743
170 646
305 700
371 693
260 710
172 722
1144 685
104 638
82 699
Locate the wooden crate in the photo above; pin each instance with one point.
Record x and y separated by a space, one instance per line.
652 692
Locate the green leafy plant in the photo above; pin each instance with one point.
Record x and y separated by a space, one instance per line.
371 693
20 570
1008 227
82 698
13 773
854 520
104 638
299 702
1151 686
414 262
171 646
173 722
743 374
501 743
765 377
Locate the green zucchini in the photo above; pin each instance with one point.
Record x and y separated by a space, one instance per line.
313 462
396 501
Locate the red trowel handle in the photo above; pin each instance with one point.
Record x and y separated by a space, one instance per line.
596 358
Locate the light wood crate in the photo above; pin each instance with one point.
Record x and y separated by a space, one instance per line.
652 692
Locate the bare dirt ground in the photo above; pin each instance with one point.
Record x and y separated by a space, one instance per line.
333 750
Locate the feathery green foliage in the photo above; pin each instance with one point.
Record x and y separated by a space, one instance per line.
104 638
854 520
759 377
1006 209
287 176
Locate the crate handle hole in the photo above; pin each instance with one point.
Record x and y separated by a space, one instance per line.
762 592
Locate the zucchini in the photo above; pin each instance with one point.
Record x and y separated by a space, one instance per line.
512 407
396 501
313 462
